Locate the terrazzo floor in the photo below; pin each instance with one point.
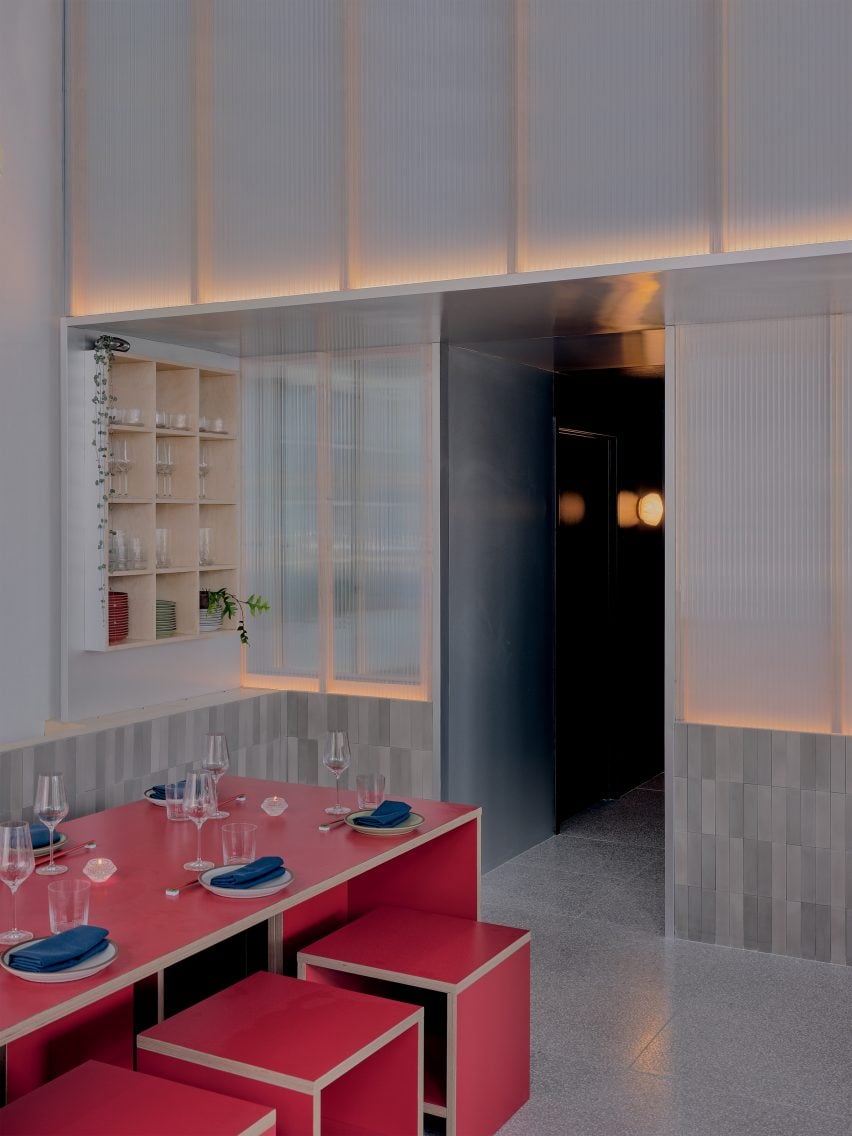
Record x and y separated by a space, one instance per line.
637 1035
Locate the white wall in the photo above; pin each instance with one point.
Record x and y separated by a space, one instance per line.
31 300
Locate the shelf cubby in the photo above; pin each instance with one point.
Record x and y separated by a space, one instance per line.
182 589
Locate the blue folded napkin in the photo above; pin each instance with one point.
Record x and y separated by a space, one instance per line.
388 815
264 870
40 835
158 792
60 951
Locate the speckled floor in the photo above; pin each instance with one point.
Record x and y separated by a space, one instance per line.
636 1035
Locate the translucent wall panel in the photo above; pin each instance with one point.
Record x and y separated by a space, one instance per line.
430 142
617 131
280 530
788 122
379 440
130 154
843 519
754 523
271 149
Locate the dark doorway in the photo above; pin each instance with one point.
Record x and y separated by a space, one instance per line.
609 585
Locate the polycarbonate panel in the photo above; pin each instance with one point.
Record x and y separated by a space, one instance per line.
788 122
843 520
130 154
281 558
379 454
617 131
754 523
430 139
271 169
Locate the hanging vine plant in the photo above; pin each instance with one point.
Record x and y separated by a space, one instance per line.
106 347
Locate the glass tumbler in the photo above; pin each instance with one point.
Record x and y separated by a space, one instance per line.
205 546
164 555
68 903
174 801
239 843
371 790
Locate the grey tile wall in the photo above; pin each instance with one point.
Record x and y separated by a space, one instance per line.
763 840
274 735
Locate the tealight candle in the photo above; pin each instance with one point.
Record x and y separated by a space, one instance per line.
99 869
274 806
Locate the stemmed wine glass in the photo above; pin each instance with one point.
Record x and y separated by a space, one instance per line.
199 803
16 863
51 807
336 758
203 468
216 762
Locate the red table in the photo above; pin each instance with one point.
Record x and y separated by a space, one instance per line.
46 1029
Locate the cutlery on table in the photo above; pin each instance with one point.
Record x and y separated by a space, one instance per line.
239 799
183 887
77 848
326 826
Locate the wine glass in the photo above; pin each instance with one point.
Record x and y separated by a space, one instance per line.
199 803
336 758
203 468
51 807
168 468
127 463
216 762
16 863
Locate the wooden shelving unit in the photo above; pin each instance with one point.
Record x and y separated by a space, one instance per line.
149 386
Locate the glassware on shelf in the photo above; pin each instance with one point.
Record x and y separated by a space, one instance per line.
51 807
203 468
137 560
16 864
180 421
133 416
163 419
216 762
165 468
205 547
164 548
336 757
117 550
199 804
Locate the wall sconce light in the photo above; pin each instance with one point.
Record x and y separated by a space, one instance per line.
650 509
572 508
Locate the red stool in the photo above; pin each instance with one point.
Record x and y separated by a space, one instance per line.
329 1061
102 1100
473 980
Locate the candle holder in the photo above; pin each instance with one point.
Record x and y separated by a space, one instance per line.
99 869
274 806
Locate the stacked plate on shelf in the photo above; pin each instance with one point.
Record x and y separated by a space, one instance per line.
118 617
166 618
210 620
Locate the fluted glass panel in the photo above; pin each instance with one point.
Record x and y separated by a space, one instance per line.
754 523
281 557
616 131
788 122
130 154
843 520
271 149
430 158
379 521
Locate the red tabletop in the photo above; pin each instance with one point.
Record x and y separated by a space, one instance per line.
439 951
102 1100
153 931
244 1025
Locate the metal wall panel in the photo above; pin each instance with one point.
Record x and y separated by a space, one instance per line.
130 155
788 126
616 147
754 524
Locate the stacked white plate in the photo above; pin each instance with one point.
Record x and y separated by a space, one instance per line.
210 620
166 618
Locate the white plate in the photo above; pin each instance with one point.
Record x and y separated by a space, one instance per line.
412 821
59 839
84 969
257 892
154 800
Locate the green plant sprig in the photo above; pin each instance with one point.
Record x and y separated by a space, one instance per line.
231 605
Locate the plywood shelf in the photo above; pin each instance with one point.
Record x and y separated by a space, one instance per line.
149 385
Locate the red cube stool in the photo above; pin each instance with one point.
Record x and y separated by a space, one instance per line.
329 1061
102 1100
473 980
